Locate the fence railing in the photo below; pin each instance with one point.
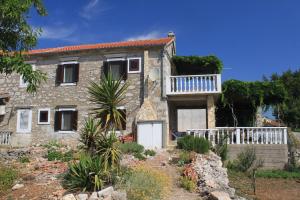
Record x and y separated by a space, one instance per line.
194 84
5 137
243 135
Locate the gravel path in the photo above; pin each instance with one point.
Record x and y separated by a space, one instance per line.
160 161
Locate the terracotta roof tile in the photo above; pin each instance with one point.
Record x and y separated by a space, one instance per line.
135 43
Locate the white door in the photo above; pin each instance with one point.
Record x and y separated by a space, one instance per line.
150 135
191 119
24 119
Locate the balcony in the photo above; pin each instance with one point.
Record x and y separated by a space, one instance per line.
194 84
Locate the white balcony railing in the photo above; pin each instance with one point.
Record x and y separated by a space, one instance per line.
243 135
5 137
194 84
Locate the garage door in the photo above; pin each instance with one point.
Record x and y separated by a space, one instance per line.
149 134
191 119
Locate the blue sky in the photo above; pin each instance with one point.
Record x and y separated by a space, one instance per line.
252 38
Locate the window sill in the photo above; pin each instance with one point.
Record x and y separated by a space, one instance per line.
23 132
66 132
134 72
43 123
68 84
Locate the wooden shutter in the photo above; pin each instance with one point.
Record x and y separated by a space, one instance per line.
75 120
76 72
59 74
57 121
124 69
105 68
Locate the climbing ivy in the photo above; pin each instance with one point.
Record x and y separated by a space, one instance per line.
191 65
240 101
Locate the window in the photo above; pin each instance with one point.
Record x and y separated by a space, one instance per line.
44 116
23 83
67 73
66 120
134 65
117 67
24 118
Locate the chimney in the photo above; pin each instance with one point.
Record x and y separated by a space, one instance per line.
171 34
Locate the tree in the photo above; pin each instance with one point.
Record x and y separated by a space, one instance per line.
289 110
17 37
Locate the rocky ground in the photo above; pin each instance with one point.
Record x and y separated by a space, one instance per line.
39 179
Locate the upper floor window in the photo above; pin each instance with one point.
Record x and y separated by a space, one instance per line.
67 73
23 82
134 65
120 67
117 67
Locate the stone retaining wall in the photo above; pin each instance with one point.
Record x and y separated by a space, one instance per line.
274 156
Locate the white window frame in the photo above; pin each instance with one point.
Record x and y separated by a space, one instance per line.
140 63
28 130
66 63
66 109
39 111
24 84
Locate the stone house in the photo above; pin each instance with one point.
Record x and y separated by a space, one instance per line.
59 108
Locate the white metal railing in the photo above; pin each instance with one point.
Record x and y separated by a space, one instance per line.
243 135
194 84
5 137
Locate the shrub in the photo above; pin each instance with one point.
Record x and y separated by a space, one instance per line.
90 135
139 156
187 184
24 159
149 152
191 143
54 155
108 148
244 160
131 148
86 175
145 183
53 143
185 157
7 177
221 148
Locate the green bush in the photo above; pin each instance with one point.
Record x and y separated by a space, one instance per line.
131 148
191 143
145 183
87 175
244 160
149 152
139 156
187 183
278 174
54 155
185 157
7 177
24 159
53 143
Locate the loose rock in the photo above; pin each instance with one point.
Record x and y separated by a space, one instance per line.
82 196
69 197
17 186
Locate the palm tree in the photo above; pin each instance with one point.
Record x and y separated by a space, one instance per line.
108 94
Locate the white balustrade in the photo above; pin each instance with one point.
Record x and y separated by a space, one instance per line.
243 135
5 137
194 84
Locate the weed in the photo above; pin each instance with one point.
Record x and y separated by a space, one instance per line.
24 159
7 177
131 148
149 152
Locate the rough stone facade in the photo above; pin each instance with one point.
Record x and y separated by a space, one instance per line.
50 95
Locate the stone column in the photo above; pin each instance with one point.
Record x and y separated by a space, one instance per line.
211 118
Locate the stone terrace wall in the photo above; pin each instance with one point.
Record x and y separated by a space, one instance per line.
274 156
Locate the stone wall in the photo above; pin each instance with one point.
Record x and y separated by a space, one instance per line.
50 96
275 156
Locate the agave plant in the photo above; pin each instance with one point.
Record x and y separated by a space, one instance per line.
108 94
85 175
108 148
90 135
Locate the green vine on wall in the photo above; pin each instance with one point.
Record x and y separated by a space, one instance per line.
242 99
191 65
